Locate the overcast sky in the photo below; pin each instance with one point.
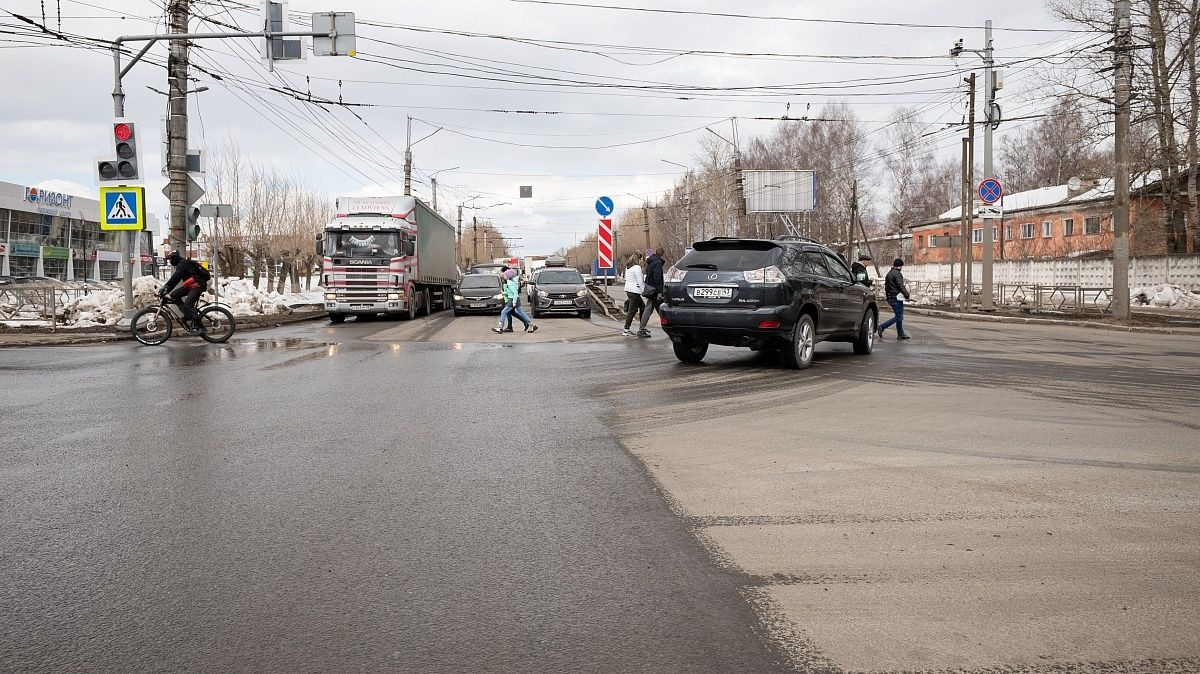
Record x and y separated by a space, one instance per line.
605 74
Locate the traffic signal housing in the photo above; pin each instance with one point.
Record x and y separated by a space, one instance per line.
193 223
123 166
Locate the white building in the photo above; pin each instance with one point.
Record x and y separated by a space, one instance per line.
45 233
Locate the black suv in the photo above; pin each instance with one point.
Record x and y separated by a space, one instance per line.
786 294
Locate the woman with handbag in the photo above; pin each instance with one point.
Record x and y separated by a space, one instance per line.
635 283
653 290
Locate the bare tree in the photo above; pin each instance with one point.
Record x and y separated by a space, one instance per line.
1056 148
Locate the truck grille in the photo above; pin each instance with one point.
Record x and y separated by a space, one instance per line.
360 283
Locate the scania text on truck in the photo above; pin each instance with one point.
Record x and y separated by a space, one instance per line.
386 255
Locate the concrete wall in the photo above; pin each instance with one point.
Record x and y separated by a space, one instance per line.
1181 270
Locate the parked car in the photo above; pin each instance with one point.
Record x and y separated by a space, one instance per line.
785 294
478 293
559 290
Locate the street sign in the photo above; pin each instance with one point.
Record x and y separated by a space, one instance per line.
123 208
604 206
216 210
990 191
604 243
194 191
988 212
341 25
526 191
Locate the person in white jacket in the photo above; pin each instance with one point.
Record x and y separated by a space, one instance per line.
635 283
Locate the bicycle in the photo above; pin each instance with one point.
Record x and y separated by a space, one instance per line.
153 325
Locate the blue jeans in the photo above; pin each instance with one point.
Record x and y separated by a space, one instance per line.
898 307
514 310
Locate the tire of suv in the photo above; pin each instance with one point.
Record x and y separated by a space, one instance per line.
689 351
804 343
865 341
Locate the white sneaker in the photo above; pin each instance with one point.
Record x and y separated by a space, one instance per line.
627 333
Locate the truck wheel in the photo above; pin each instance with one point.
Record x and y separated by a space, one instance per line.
425 299
411 313
337 318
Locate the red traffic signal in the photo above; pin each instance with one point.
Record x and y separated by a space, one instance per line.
122 131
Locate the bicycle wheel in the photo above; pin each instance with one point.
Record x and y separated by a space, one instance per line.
151 326
218 324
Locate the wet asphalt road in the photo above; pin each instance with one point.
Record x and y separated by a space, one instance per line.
306 501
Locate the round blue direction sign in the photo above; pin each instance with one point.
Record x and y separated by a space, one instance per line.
604 205
990 191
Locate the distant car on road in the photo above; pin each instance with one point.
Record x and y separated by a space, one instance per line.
478 293
559 290
785 294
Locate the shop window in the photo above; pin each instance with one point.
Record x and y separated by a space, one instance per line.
1091 225
1069 227
1027 230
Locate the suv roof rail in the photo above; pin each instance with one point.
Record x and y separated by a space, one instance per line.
794 237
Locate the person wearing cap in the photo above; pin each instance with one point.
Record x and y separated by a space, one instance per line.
894 287
185 287
859 270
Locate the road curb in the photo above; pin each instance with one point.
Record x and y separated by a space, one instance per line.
64 338
985 318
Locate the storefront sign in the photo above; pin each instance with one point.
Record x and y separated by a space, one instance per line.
26 249
50 203
55 252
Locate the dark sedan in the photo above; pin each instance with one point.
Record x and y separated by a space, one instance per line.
478 293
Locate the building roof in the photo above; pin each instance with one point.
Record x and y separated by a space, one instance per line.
1057 195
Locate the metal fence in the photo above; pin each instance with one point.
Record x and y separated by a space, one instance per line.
1052 298
36 302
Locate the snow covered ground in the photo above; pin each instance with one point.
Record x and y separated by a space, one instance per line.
1166 295
103 307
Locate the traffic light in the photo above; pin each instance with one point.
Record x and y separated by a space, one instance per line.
193 224
122 168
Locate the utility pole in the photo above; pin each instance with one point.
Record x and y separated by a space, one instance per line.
968 244
458 238
177 124
433 182
965 229
475 239
646 223
853 219
1121 161
408 159
991 120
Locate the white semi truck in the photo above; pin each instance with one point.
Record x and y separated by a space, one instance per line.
386 255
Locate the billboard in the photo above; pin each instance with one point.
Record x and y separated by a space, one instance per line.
779 191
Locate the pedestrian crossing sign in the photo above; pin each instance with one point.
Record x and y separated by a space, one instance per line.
123 208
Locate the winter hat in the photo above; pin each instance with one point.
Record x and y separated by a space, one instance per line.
649 252
864 256
898 262
510 273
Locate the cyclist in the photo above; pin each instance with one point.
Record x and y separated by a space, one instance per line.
191 280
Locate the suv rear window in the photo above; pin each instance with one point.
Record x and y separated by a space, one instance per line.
741 256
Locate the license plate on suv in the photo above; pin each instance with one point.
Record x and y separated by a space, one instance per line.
712 293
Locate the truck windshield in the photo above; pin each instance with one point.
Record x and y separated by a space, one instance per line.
366 244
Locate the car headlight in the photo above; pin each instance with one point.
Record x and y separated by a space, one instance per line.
581 293
458 298
331 296
498 296
393 296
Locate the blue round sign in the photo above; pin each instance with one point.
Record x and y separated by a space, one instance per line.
990 191
604 205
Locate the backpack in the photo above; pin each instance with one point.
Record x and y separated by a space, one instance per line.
204 276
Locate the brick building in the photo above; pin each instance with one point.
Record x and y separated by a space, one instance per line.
1052 223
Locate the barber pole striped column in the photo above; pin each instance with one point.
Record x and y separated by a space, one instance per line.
604 241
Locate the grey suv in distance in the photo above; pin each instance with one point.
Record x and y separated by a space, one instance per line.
786 294
559 290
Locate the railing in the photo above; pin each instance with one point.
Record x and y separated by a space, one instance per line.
37 301
1056 298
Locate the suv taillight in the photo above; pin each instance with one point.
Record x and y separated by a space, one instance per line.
764 275
674 275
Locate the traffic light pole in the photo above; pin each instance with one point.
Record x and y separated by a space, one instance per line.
177 136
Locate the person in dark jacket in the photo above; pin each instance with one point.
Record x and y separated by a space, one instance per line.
859 270
894 287
654 288
188 282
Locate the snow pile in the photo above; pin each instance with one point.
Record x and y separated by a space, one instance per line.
240 296
104 307
1167 295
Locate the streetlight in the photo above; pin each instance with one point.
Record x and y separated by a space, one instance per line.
433 180
409 143
687 201
737 181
